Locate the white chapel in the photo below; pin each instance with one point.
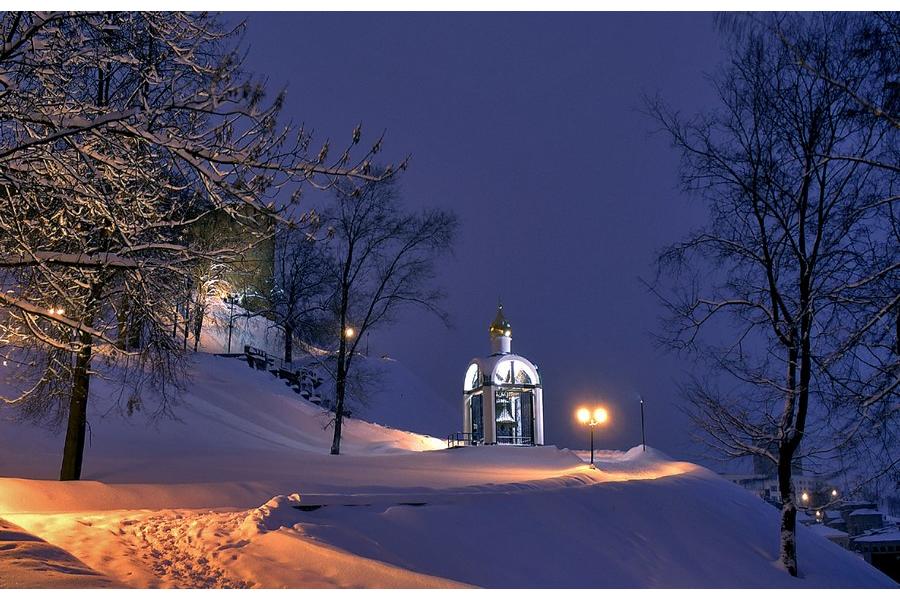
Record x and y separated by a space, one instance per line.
502 399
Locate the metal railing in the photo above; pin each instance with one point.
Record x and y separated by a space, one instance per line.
515 440
286 371
460 438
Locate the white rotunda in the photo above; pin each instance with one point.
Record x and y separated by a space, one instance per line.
502 401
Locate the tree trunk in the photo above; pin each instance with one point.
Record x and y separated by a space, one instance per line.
788 548
135 332
187 320
288 343
198 324
73 452
340 392
122 322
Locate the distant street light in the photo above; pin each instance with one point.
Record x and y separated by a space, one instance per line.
834 493
804 497
598 417
231 300
349 332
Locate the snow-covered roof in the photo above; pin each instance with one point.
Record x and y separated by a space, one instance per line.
864 511
832 514
891 535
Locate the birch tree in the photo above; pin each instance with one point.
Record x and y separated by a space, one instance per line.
118 131
789 293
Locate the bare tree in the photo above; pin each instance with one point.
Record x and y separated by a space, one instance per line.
385 260
788 292
118 131
303 272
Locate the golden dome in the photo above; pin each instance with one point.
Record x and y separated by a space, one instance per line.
500 326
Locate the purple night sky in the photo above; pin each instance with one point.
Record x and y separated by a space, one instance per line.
529 127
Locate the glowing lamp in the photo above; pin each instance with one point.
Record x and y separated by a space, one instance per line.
349 332
584 415
597 417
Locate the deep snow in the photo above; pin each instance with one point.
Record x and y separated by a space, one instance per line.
205 502
27 561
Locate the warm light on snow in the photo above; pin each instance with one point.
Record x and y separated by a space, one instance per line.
375 513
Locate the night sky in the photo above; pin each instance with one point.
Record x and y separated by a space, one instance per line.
529 127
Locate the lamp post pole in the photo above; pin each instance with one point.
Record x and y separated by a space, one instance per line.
643 439
592 442
598 417
230 321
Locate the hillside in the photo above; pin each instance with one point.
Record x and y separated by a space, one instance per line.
209 501
392 394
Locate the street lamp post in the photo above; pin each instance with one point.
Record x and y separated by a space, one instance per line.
597 417
643 439
230 299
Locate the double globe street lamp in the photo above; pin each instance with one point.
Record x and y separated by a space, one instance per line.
598 416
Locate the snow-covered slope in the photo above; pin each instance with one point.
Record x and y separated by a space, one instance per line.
393 396
207 502
226 420
396 397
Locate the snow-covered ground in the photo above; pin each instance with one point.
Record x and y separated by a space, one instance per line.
211 501
27 561
394 395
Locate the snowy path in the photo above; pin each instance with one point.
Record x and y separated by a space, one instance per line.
216 549
168 543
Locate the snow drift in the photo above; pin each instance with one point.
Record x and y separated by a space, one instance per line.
241 492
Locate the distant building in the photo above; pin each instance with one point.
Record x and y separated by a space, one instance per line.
864 519
763 465
834 519
881 549
502 395
766 487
